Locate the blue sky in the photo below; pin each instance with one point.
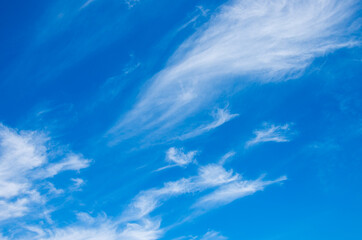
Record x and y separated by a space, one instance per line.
180 120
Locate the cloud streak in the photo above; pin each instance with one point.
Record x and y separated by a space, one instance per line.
271 133
220 116
136 223
270 40
232 191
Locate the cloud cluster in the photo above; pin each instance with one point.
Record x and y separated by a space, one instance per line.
26 162
224 186
136 222
227 186
268 40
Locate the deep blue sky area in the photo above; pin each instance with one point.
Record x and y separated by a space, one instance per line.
180 120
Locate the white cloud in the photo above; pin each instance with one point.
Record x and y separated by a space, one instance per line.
86 4
209 176
104 231
24 158
271 133
136 224
221 116
213 175
131 3
269 40
212 235
230 192
190 237
149 230
228 186
53 190
12 209
176 157
77 184
200 12
226 157
72 161
98 228
2 237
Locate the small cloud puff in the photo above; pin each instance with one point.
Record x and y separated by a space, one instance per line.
271 133
77 184
176 157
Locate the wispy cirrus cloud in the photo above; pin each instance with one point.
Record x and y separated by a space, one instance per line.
131 3
96 228
226 157
209 176
135 223
71 161
200 12
212 235
228 186
178 158
26 162
77 184
271 40
220 116
232 191
271 133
